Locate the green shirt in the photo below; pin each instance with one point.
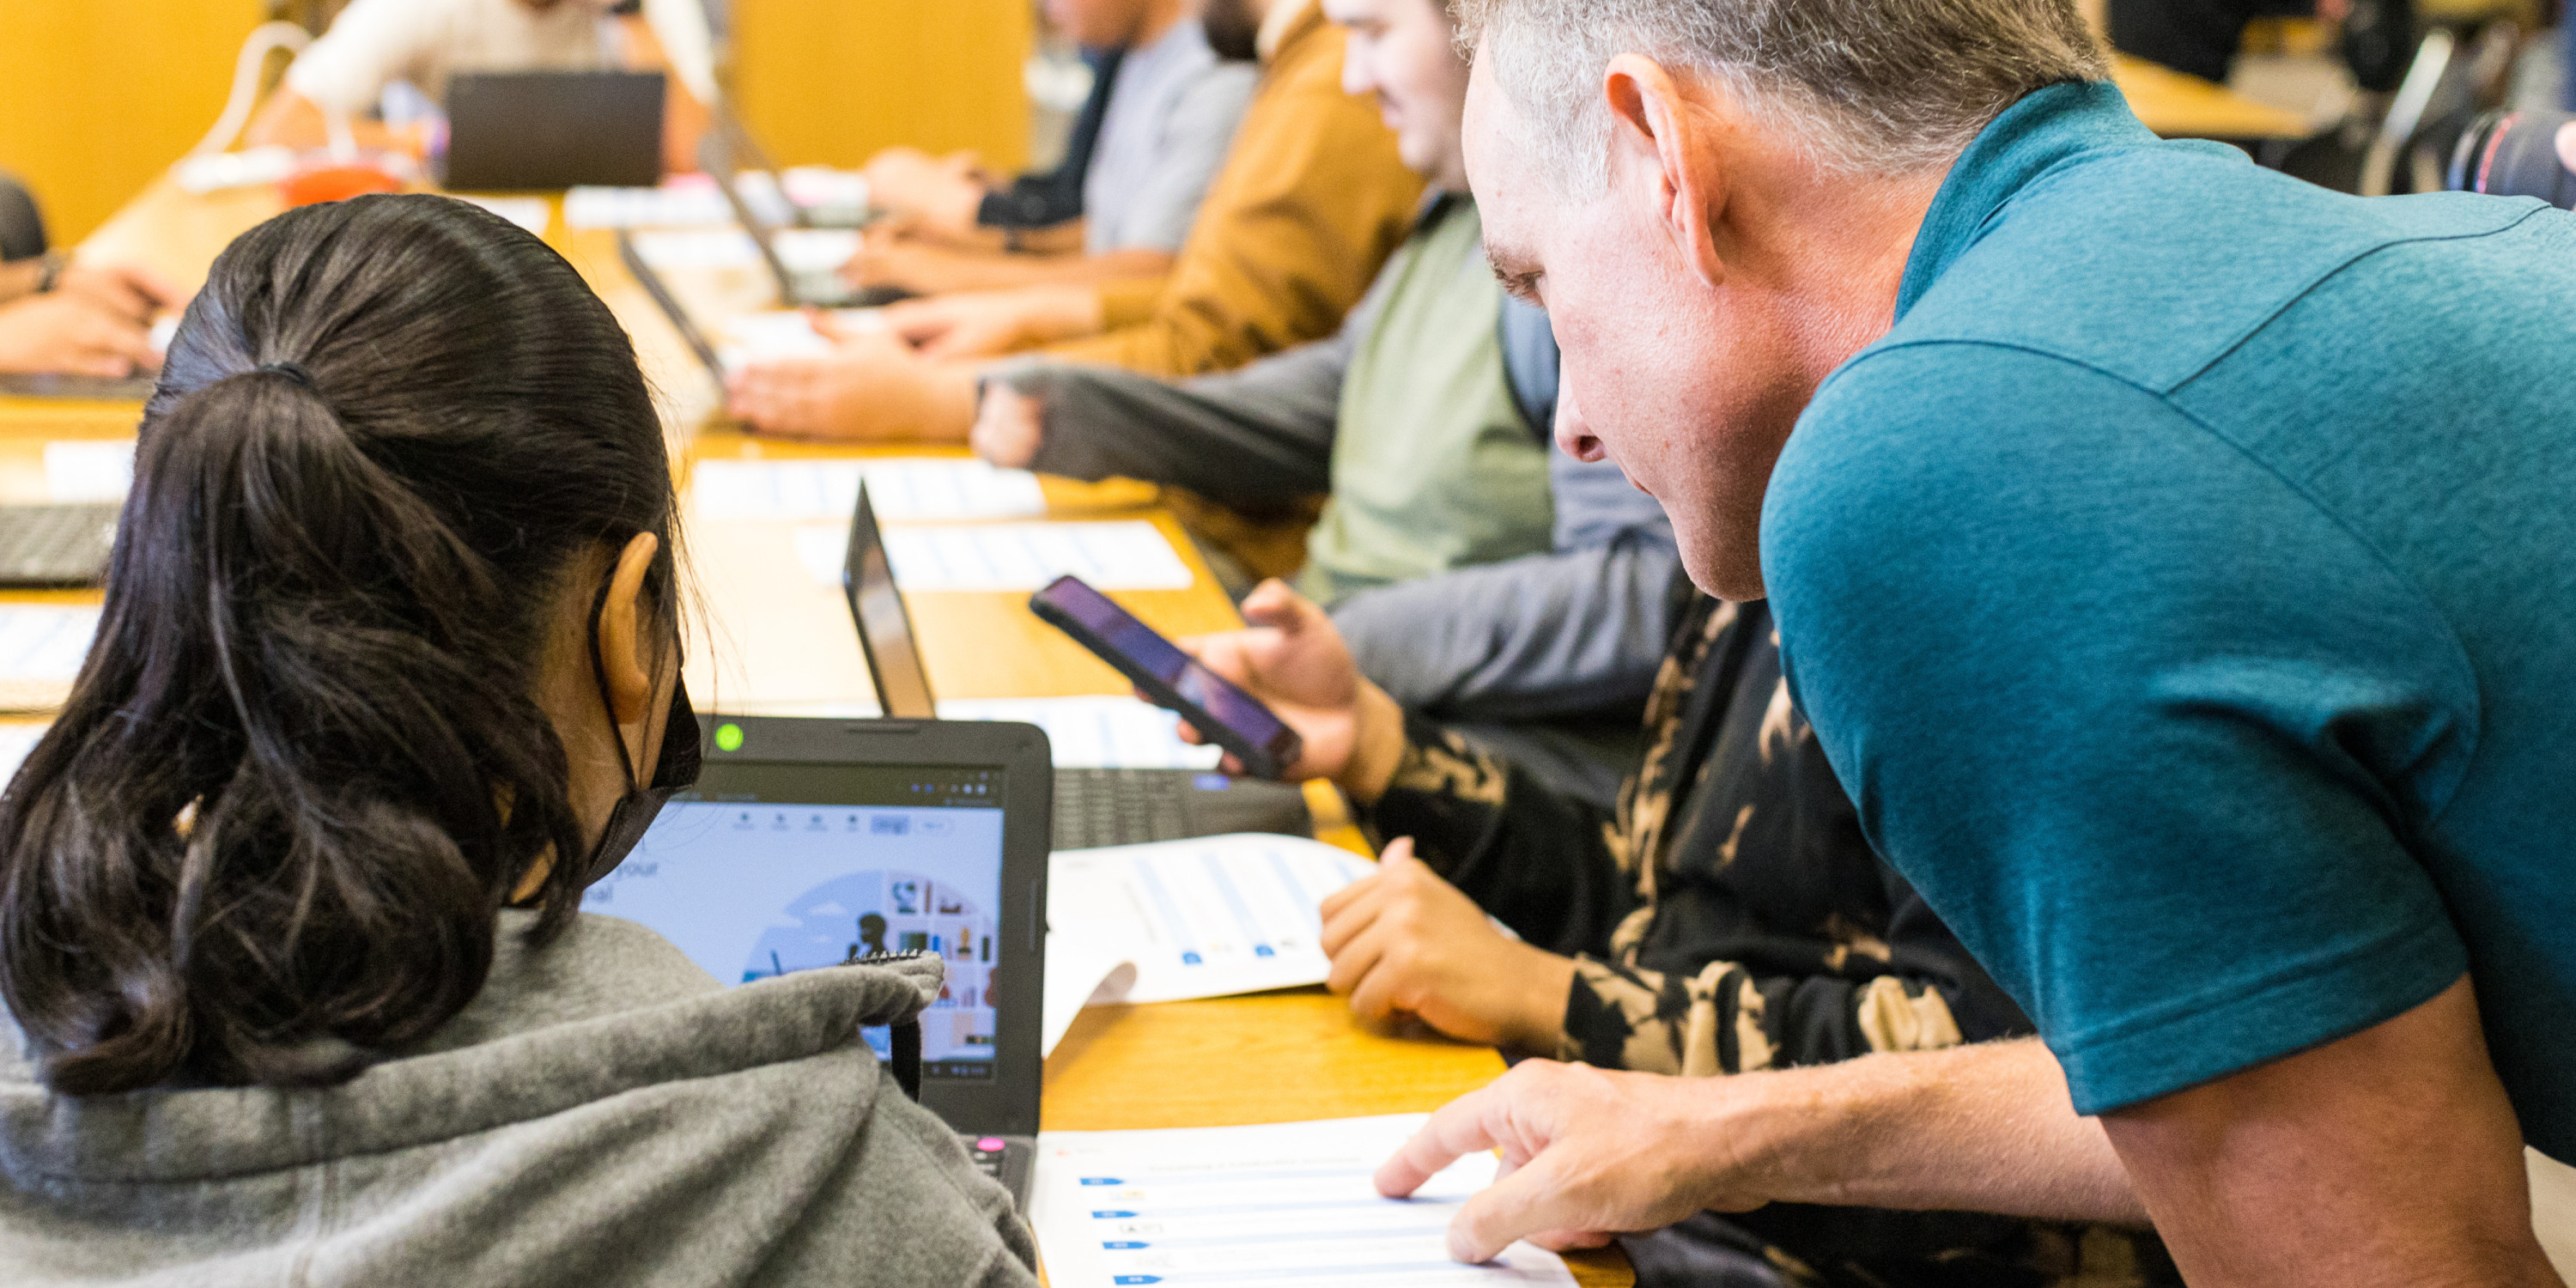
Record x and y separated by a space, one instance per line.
1433 466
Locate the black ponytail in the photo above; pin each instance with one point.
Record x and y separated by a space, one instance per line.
302 769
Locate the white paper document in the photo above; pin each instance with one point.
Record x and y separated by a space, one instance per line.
41 650
1284 1204
682 201
529 213
84 470
772 335
1101 731
1206 917
1118 555
803 250
900 490
1077 975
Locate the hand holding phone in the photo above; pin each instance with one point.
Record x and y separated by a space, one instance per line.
1170 678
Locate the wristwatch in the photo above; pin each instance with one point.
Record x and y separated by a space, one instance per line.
49 271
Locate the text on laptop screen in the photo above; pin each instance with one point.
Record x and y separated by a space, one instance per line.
768 868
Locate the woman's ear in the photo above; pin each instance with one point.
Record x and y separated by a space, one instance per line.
624 651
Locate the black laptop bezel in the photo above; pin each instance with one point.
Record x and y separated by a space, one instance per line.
866 540
1007 1105
541 131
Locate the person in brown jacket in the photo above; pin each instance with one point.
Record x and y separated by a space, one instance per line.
1312 200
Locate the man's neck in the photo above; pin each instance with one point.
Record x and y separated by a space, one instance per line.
1159 18
1832 250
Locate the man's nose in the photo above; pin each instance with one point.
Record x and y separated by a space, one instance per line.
1574 435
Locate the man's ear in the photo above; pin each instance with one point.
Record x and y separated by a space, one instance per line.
1658 144
622 646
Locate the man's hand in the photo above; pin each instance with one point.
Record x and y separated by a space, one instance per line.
129 291
941 193
872 388
1009 427
983 324
898 256
1296 663
71 335
1587 1154
1404 942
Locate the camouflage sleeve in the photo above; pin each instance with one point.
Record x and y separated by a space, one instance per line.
1727 1019
1537 860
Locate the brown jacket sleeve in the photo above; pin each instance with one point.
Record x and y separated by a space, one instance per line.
1310 203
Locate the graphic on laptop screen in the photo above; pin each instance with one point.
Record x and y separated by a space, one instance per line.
753 884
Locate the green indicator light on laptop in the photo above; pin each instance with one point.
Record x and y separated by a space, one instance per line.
728 737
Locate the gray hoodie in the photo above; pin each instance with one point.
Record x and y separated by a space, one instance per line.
604 1112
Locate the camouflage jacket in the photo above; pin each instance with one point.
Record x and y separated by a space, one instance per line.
1729 917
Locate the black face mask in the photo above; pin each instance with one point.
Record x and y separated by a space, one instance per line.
675 770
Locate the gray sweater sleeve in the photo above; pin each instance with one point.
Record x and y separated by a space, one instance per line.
1577 631
1255 436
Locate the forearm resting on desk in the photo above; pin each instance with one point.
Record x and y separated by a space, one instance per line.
1592 1153
1983 1128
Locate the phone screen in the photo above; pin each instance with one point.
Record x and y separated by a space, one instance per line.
1158 657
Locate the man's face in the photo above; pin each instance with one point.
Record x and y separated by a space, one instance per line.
1097 23
1400 52
1691 388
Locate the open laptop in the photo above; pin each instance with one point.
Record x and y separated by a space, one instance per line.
669 303
56 545
87 388
1093 807
819 288
514 131
809 843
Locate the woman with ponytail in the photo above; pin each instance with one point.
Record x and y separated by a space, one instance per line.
296 985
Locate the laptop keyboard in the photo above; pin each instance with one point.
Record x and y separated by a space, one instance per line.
55 544
1095 807
987 1153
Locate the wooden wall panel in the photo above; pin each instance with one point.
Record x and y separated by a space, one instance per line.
832 81
98 96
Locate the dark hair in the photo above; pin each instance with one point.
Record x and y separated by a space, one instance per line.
1233 32
303 768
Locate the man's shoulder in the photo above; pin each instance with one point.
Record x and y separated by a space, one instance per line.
2154 263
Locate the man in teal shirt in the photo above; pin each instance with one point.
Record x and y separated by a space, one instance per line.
2177 562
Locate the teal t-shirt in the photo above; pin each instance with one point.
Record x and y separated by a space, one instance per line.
2186 590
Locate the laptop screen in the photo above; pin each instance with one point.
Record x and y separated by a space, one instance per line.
885 628
772 867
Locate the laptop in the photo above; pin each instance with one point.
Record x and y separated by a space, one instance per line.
669 303
729 146
1093 807
514 131
810 843
819 288
67 385
56 546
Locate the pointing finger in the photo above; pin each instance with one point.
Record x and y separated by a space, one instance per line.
1456 1129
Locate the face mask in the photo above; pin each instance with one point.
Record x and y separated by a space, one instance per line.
676 769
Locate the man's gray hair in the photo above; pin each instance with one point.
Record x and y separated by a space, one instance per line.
1883 86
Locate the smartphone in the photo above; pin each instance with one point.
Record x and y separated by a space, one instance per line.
1170 678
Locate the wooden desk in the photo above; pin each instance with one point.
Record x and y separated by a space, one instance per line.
772 635
2180 106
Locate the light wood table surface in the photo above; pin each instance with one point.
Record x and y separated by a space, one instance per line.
2181 106
772 637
